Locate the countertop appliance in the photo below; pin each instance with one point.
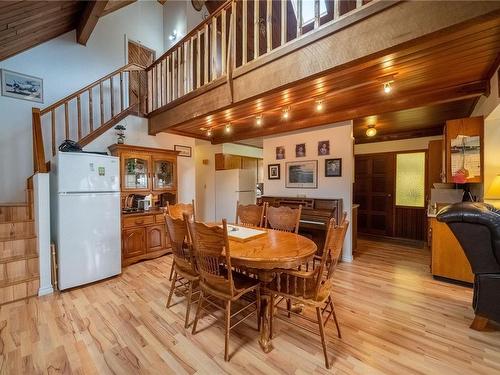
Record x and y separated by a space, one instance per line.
231 186
85 217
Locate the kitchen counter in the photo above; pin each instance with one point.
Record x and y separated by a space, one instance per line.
152 211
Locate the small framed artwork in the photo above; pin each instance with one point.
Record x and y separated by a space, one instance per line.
22 86
300 150
184 151
280 152
302 174
323 148
333 167
273 172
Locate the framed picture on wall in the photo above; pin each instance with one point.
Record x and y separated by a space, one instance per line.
302 174
300 150
280 152
273 172
323 148
184 151
22 86
333 167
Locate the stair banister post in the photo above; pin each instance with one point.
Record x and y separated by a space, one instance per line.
38 151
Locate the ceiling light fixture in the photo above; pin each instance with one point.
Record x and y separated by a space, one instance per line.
319 105
227 129
387 87
173 36
286 113
209 132
258 120
371 131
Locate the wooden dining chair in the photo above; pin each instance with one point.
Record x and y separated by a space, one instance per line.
177 211
212 253
185 274
250 214
283 218
311 287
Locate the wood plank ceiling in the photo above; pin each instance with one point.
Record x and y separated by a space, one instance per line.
435 78
26 24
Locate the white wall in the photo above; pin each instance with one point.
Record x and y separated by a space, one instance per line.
181 17
65 67
137 135
489 107
341 146
395 146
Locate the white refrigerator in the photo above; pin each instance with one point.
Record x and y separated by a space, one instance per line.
231 186
85 219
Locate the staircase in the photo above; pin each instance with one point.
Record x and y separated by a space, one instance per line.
19 273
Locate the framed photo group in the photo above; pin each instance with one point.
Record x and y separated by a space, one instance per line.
300 150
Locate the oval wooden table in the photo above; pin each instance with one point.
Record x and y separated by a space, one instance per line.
265 254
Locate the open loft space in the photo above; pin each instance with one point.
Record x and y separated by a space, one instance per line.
250 186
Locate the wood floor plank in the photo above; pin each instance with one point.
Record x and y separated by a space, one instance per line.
395 319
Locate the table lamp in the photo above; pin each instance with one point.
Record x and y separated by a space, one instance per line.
494 191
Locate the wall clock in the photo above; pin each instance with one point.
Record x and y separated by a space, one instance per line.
197 4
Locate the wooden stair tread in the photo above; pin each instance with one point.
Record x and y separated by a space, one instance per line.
14 258
17 237
18 280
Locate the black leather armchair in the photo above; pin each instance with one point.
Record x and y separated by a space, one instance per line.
477 227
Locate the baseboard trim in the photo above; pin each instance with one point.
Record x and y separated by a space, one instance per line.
45 290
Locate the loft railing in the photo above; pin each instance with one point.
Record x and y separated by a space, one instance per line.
87 113
238 33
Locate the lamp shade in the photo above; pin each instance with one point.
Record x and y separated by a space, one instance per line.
494 189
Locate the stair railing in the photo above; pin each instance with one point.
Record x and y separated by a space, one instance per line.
89 112
215 48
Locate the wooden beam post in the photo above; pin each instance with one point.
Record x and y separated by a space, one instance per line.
88 21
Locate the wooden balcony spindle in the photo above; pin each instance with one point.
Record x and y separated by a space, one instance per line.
91 111
150 91
223 43
191 64
213 48
179 72
174 75
316 14
269 25
66 121
112 96
53 131
121 92
231 58
198 59
283 21
205 55
244 44
185 46
169 80
336 9
158 85
256 27
299 18
79 114
101 99
359 3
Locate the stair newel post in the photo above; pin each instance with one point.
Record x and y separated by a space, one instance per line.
39 165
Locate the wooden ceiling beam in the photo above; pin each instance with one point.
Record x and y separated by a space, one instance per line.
418 133
91 14
114 5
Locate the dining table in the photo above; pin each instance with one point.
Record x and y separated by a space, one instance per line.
264 255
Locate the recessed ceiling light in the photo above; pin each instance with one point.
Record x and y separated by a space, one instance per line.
227 129
319 105
209 132
371 131
387 87
258 120
286 113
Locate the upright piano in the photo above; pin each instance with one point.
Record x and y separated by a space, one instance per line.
316 212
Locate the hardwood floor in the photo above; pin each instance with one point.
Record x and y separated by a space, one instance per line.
395 319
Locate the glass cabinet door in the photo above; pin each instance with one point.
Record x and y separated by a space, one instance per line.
163 174
136 173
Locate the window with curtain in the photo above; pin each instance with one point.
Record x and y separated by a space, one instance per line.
410 179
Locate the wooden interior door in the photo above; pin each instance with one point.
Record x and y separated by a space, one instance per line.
373 191
138 86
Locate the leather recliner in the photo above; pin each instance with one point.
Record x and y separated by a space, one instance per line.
477 228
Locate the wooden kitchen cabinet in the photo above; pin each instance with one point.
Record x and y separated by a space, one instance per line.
155 238
133 242
448 258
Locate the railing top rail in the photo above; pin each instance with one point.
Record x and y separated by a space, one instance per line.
200 26
128 67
